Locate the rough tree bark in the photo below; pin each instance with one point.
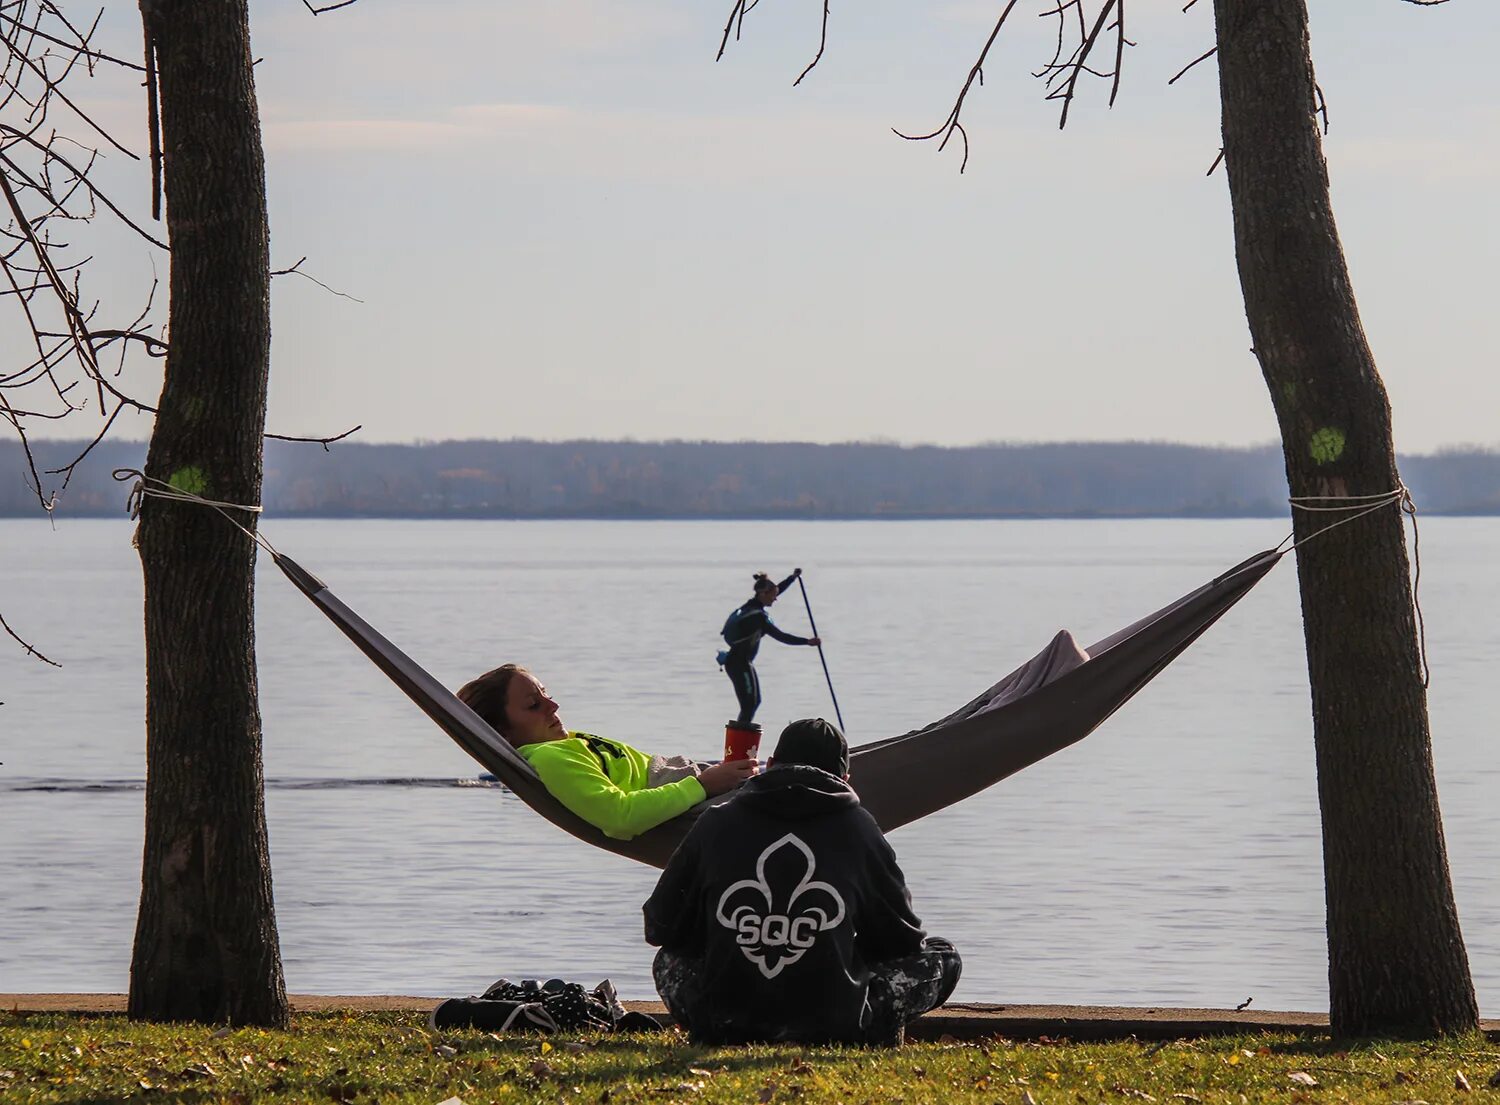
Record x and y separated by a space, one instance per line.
206 946
1396 956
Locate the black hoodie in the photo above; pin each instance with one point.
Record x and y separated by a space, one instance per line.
786 894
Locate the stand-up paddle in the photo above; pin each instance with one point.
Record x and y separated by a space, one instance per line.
813 622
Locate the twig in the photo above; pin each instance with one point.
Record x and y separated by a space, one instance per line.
951 124
1195 61
31 650
36 32
736 23
1077 65
296 270
323 441
822 42
327 7
100 196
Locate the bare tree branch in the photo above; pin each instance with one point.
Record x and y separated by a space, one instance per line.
327 7
44 188
33 32
736 23
1064 74
822 43
1195 61
296 270
951 125
31 650
323 441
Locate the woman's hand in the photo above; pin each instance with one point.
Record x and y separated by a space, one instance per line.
727 775
815 640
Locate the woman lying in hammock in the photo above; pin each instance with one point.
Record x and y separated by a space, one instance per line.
618 789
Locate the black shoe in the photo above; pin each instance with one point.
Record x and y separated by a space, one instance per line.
491 1016
448 1014
635 1021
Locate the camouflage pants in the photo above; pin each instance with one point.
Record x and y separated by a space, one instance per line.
901 990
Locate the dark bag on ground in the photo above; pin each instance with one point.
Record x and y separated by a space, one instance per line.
551 1006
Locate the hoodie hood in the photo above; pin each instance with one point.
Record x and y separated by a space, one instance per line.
797 792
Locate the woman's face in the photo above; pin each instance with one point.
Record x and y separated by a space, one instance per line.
531 713
767 595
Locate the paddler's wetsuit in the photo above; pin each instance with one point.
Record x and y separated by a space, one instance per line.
742 632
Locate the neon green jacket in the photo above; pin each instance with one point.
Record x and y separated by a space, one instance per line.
606 783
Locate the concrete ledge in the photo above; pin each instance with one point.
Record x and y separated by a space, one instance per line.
960 1020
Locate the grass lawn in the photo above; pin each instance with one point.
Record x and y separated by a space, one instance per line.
391 1057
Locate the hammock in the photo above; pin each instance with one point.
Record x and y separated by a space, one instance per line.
1053 700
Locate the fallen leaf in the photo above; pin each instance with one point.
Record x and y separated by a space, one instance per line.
1401 1076
451 1101
765 1095
572 1047
701 1071
1302 1078
1187 1097
546 1047
1461 1083
446 1051
1026 1098
541 1068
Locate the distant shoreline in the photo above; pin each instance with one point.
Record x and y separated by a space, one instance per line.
747 481
373 516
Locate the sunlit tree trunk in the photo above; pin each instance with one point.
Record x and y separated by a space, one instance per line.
206 946
1396 956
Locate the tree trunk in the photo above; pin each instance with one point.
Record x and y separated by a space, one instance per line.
205 944
1396 959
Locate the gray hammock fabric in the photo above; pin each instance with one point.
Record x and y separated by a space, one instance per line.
1053 700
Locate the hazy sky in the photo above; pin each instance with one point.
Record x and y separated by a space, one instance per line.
564 219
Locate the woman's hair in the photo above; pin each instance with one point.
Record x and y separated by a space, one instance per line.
764 582
486 695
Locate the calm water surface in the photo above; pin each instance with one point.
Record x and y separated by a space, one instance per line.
1171 858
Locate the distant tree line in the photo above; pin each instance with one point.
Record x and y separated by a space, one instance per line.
700 479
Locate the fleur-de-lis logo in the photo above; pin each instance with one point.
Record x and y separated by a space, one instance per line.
776 916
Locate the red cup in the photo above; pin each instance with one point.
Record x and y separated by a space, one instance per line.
741 742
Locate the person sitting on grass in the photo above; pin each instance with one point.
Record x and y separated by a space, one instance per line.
783 915
614 787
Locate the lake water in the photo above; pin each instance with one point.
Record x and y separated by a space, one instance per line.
1172 858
